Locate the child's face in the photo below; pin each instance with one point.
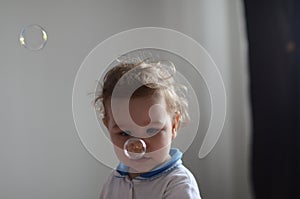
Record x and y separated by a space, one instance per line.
157 145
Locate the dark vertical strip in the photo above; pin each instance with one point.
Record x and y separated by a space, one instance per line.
296 25
273 36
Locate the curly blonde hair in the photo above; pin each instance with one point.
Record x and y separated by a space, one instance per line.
154 78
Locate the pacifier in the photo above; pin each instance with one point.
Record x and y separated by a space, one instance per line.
135 148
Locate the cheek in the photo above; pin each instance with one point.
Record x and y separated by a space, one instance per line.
160 141
117 141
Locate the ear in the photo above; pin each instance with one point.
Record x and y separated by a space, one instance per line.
105 122
175 124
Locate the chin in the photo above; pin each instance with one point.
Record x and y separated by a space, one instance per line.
141 165
141 169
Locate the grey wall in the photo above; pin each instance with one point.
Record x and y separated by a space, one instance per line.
41 153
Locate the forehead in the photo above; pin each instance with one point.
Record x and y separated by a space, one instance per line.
140 110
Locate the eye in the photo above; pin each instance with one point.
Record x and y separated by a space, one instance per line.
152 131
125 133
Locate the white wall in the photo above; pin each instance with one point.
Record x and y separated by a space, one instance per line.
41 153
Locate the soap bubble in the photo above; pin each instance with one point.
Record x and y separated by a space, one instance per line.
33 37
135 148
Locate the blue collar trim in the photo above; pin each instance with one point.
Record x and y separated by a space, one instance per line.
175 154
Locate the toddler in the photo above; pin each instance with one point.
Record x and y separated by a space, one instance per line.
141 103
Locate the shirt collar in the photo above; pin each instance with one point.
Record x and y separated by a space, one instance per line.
175 154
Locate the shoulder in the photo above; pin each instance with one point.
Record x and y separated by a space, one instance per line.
182 184
107 187
181 175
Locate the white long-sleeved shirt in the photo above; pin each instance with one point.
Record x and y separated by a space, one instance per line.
171 180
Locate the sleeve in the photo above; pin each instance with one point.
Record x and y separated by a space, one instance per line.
182 185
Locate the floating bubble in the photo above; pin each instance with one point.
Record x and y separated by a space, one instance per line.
33 37
135 148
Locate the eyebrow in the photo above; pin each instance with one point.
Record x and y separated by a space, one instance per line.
158 123
116 127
